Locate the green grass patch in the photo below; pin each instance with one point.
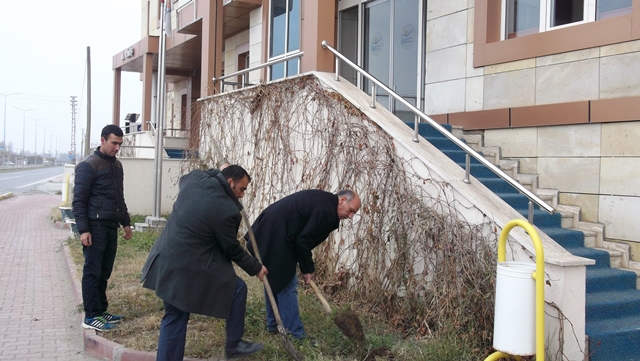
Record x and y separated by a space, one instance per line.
206 336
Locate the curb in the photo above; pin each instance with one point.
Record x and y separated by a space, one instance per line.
96 345
6 195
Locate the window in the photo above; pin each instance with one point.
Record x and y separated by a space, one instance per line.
284 26
525 17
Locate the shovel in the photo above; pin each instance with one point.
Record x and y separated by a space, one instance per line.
286 342
348 321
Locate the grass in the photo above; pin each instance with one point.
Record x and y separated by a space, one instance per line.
205 336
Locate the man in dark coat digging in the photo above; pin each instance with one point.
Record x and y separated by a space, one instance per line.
189 266
286 232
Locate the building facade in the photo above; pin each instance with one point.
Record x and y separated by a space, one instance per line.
556 85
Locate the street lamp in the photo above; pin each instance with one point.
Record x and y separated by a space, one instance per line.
35 142
24 111
4 132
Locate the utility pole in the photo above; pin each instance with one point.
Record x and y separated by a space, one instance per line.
4 132
74 102
87 137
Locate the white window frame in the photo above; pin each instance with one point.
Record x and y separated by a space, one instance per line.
286 42
589 15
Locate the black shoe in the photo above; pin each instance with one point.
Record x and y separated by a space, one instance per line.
243 349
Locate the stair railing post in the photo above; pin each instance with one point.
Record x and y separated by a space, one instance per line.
530 213
337 78
373 96
416 123
244 79
467 168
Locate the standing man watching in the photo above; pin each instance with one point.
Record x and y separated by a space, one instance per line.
286 232
99 210
190 268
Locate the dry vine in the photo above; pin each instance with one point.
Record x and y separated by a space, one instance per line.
409 254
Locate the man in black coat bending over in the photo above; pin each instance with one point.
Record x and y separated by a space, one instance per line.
189 266
286 232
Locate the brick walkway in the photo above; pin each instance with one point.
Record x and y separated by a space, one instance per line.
38 313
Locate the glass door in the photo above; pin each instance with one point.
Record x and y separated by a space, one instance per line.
391 51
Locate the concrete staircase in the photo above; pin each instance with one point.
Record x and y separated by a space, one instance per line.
612 314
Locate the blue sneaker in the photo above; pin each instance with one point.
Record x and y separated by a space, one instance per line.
112 318
98 324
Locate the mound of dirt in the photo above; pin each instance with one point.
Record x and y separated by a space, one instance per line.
349 323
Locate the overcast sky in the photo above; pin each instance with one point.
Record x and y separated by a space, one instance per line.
44 55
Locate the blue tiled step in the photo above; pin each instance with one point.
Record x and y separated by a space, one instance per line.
601 279
613 304
614 339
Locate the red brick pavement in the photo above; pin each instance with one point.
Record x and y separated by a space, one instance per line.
39 317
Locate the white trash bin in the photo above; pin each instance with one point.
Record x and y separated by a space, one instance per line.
514 331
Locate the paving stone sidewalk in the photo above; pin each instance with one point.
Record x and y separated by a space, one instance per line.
39 317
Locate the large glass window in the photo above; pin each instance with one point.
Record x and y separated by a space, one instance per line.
284 36
525 17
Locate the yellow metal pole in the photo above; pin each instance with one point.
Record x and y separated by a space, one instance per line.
538 275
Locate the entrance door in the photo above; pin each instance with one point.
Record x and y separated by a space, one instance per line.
390 49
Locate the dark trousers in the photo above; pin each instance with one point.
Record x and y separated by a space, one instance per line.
98 264
173 328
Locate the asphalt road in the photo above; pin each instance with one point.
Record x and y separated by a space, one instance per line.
29 180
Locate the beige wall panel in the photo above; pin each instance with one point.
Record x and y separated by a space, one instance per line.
438 8
620 48
568 57
528 165
567 82
620 76
243 37
471 71
445 97
619 139
446 64
473 89
447 31
620 176
470 22
620 217
588 204
515 143
255 18
574 175
510 89
569 141
510 66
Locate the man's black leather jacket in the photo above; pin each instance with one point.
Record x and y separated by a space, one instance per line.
98 196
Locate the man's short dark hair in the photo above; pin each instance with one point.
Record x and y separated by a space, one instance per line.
111 129
235 172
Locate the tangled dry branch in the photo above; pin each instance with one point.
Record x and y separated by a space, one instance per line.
409 254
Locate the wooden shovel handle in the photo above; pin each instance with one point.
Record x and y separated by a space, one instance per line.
267 287
327 308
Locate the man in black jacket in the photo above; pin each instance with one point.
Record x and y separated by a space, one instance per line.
286 232
190 268
99 210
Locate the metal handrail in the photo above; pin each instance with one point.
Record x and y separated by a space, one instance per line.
244 72
469 151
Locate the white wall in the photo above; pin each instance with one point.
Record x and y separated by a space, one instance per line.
139 176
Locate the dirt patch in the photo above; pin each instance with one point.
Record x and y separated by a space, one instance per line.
349 323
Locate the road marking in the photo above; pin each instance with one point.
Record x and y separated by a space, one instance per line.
10 177
38 182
